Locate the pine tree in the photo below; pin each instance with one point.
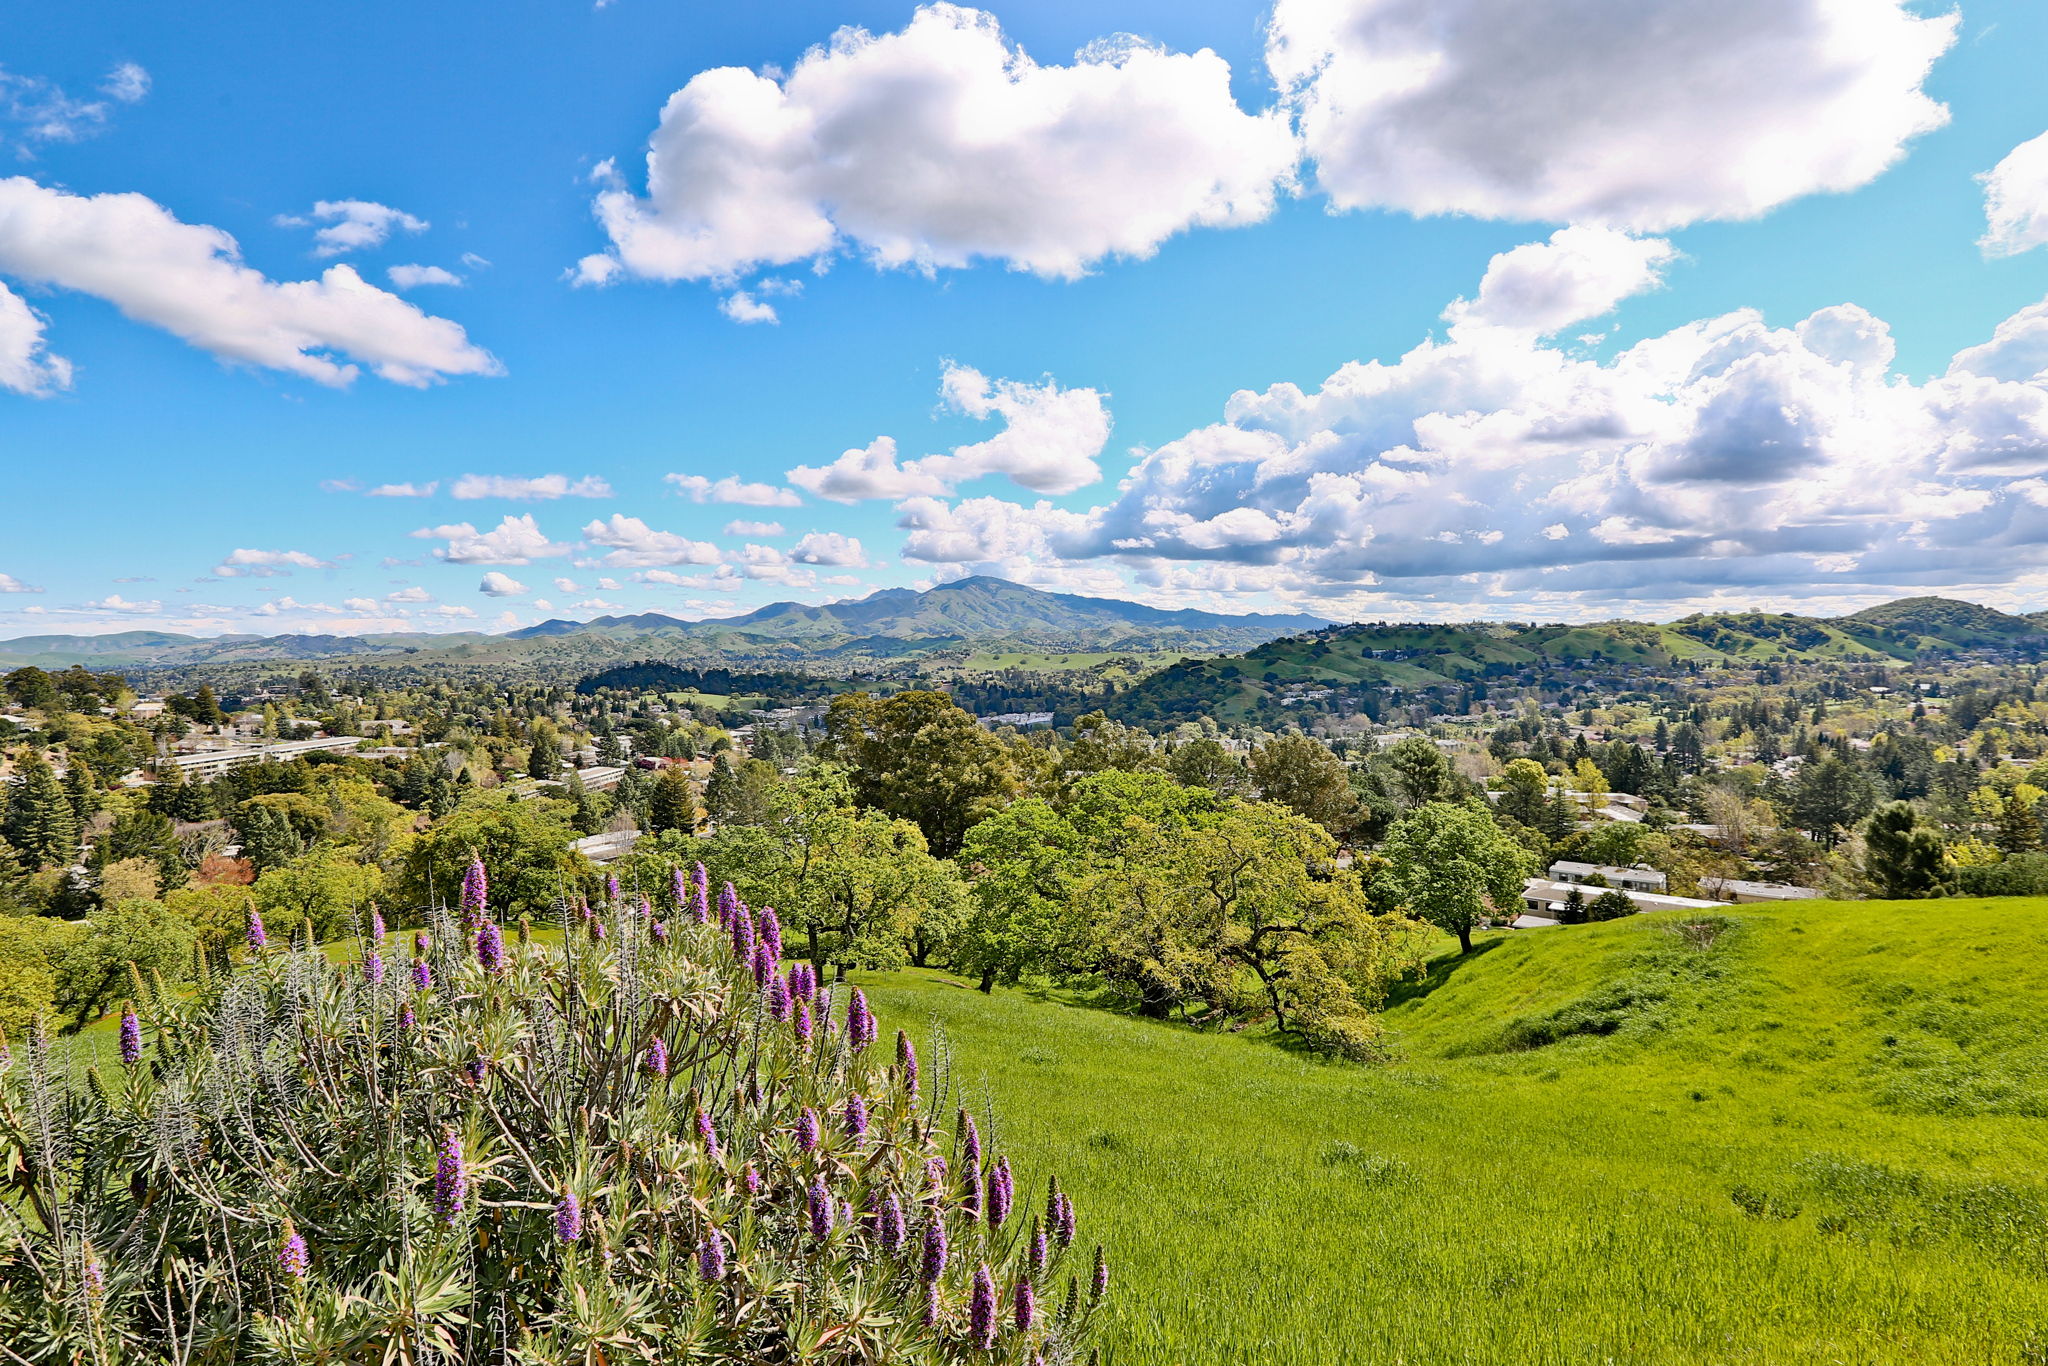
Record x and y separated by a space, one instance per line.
721 788
80 792
1903 856
40 823
671 806
1573 912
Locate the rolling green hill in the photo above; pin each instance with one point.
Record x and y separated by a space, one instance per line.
1250 685
1816 1132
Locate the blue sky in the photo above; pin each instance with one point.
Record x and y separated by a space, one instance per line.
1051 273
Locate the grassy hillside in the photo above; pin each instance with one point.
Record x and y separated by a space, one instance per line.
1802 1133
1248 687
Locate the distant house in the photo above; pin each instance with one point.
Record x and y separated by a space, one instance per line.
1744 892
1022 720
605 848
1544 899
1637 879
205 763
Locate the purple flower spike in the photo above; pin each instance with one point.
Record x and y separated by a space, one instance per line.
931 1304
257 938
422 975
770 930
970 1143
477 1068
707 1132
1040 1253
569 1218
1098 1283
906 1059
970 1194
999 1193
376 925
373 968
611 887
711 1256
660 932
1027 1306
656 1061
679 889
406 1019
822 1210
753 1179
131 1037
763 963
1066 1225
803 1023
95 1276
490 947
476 890
728 902
596 929
741 924
933 1264
646 909
420 944
778 998
856 1116
889 1226
700 879
935 1179
807 1130
860 1021
451 1179
981 1310
292 1258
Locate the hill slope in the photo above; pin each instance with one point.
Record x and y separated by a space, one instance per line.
1813 1138
1368 656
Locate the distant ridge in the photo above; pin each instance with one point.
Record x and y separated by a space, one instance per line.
972 611
1420 656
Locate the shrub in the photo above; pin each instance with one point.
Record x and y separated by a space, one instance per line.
652 1142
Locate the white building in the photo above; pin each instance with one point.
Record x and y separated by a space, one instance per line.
205 763
1636 879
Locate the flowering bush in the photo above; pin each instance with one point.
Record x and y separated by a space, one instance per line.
653 1140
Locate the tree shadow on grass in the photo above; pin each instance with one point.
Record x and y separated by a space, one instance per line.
1438 972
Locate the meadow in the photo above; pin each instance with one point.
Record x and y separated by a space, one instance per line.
1815 1133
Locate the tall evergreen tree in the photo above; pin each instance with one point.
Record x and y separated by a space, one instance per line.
1902 855
40 823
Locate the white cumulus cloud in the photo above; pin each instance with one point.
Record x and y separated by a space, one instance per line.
10 584
732 489
1645 114
938 145
515 540
1579 273
830 548
501 585
354 225
746 528
265 563
188 279
1050 442
544 488
634 544
413 276
2016 200
25 366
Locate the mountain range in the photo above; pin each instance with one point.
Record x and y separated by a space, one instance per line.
977 612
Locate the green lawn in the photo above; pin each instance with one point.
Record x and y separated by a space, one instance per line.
1823 1138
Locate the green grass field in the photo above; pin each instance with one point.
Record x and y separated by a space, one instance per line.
1822 1137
